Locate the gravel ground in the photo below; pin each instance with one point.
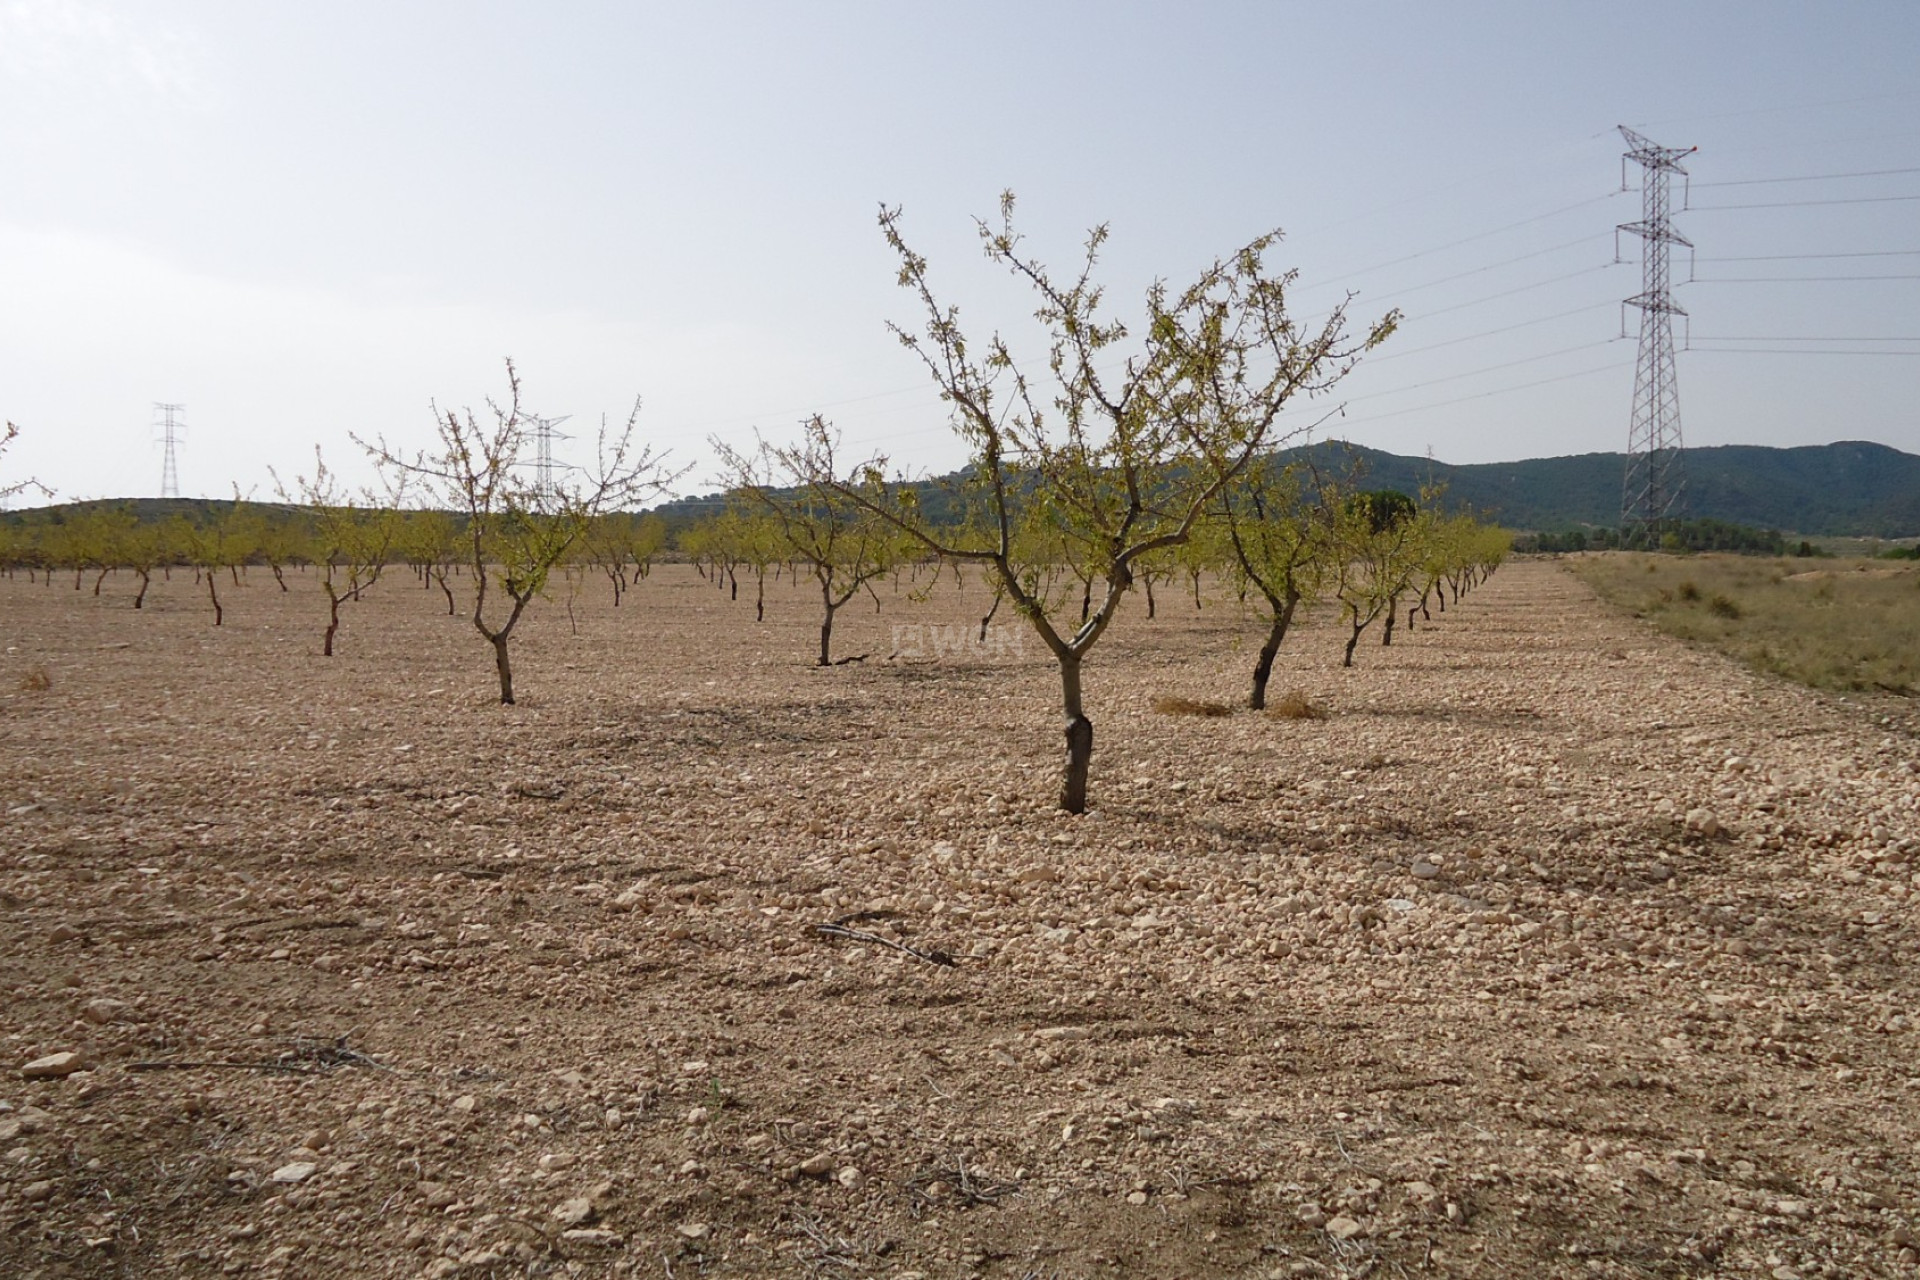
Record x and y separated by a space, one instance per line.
1557 948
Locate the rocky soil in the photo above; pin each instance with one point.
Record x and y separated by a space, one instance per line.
1555 949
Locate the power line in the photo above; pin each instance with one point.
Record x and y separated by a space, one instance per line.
1498 391
1781 351
1495 266
1486 333
1508 293
1802 257
1474 373
1454 244
1810 177
1798 204
1792 279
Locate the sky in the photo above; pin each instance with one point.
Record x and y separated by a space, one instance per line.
306 223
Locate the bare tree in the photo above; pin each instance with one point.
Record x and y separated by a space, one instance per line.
841 539
354 536
8 435
517 529
1121 457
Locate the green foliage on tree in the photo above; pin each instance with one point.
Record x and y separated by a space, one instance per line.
1117 452
515 529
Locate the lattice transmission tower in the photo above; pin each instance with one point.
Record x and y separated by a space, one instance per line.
544 487
171 431
1652 494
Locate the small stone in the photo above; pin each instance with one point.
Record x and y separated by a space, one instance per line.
55 1066
1136 1197
851 1178
465 1103
556 1160
62 933
1793 1208
37 1192
298 1171
697 1115
1424 870
1037 875
436 1195
573 1212
1311 1215
817 1166
599 1236
1342 1227
107 1010
1704 822
693 1230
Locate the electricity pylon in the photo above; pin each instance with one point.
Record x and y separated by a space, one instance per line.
1655 484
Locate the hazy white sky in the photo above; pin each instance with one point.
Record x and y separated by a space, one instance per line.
304 220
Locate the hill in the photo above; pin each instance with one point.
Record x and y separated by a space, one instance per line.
1852 488
1849 489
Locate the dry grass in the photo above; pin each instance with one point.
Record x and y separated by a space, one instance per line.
1168 704
1295 705
1832 624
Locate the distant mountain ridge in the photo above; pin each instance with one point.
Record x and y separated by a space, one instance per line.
1852 488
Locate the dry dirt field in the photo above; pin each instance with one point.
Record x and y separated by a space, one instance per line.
1557 949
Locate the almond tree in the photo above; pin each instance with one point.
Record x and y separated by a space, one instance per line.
353 537
1380 539
838 537
8 434
431 542
1120 454
517 528
1280 543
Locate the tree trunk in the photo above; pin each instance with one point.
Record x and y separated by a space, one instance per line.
97 581
279 577
504 666
826 626
1263 668
140 600
1073 787
213 594
333 623
993 609
1148 580
1393 613
1352 641
760 600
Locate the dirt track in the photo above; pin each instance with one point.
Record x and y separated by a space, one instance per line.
1558 949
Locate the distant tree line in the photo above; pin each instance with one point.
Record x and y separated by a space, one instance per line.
1678 536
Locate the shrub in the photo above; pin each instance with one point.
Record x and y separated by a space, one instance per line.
1722 607
1688 591
1296 706
1171 705
36 681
